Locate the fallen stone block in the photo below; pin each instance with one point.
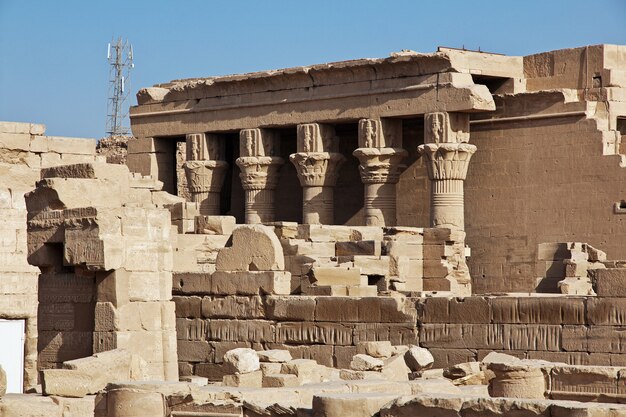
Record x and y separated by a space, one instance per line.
352 404
352 375
395 368
280 380
576 286
69 383
17 405
307 370
242 360
418 358
215 225
381 349
270 368
249 380
274 355
362 362
462 370
254 248
321 275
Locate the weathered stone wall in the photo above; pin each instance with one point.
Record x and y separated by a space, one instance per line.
24 294
574 330
535 181
326 329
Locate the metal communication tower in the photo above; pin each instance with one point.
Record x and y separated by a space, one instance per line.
120 57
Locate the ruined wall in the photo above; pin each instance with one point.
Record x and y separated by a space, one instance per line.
24 150
574 330
535 181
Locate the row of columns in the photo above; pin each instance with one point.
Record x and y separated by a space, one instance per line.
318 161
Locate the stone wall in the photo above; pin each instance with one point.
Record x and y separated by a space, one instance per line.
540 180
24 150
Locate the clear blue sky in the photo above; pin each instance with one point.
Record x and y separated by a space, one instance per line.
53 66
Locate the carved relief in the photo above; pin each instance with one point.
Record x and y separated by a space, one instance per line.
380 133
315 137
258 142
442 127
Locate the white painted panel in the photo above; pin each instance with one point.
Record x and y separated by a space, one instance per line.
12 353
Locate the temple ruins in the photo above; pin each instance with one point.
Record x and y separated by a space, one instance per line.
438 234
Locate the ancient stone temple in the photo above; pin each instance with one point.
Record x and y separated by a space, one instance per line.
422 234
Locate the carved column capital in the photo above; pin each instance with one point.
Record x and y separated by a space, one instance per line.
205 170
380 155
259 172
447 161
259 163
380 165
443 127
317 169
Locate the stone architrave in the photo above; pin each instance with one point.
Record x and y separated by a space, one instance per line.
259 166
205 170
380 154
448 155
317 164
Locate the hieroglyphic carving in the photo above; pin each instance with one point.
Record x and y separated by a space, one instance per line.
258 142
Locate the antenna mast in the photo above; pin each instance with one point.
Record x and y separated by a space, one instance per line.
120 57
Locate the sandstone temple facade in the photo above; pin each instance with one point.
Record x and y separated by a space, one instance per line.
423 234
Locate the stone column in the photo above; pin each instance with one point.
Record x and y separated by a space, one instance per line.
317 165
259 164
448 155
205 170
380 154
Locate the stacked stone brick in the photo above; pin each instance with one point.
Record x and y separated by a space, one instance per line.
96 223
24 150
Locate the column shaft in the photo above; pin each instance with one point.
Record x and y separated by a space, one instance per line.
317 205
259 206
380 204
447 204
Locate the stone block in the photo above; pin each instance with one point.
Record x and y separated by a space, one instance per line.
363 362
247 380
280 380
362 290
418 359
381 349
326 290
250 282
270 368
362 247
215 225
194 351
74 146
254 248
538 310
274 355
314 333
606 311
191 283
306 370
337 309
395 368
610 282
235 307
336 276
291 308
190 306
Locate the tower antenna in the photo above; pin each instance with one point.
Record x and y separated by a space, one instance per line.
120 57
